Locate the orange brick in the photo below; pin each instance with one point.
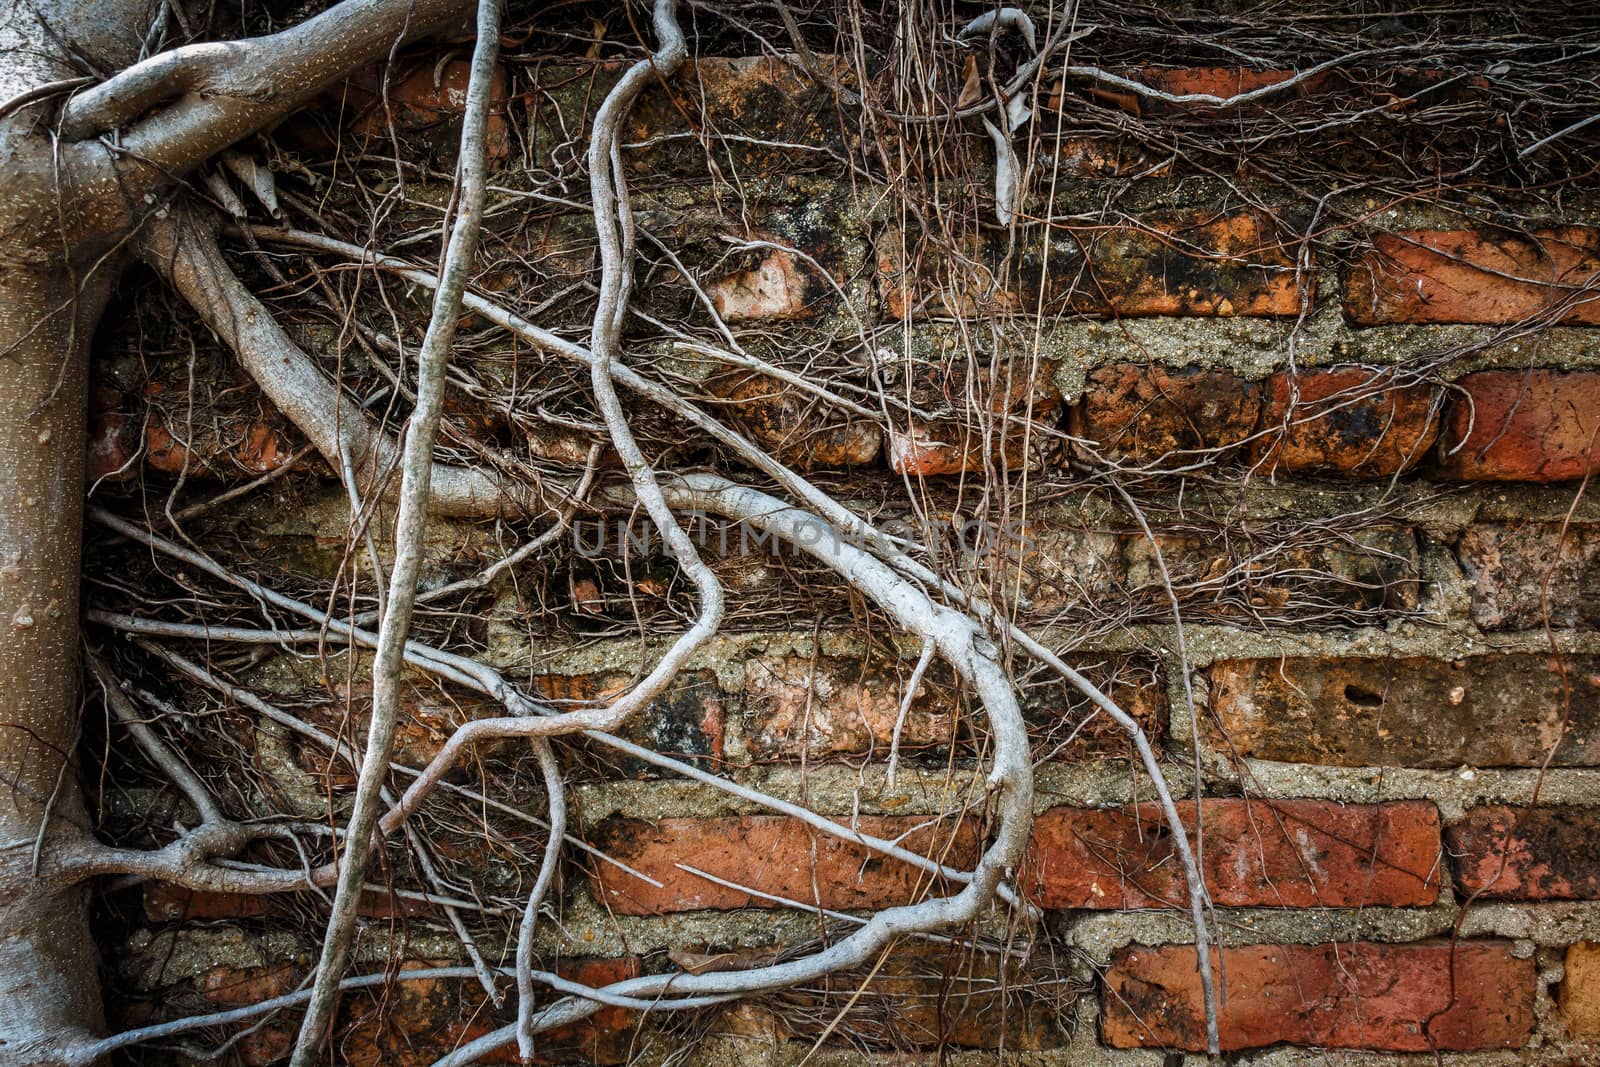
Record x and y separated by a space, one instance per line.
1193 264
1580 990
796 426
1277 853
1150 413
1400 998
1015 433
1351 420
1526 426
772 854
1527 854
1440 276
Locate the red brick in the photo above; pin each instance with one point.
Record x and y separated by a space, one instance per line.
687 720
1149 413
1221 82
815 707
1482 711
1527 426
113 436
797 427
1440 276
934 996
1191 264
772 854
1016 432
774 290
1580 991
164 902
425 101
421 1020
1507 565
1352 421
1527 854
607 1036
1278 853
1401 998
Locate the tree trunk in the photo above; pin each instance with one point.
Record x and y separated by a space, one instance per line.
51 297
48 981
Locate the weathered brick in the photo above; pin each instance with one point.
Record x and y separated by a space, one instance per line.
1215 81
1101 157
427 714
422 1020
718 116
934 996
255 449
1507 565
1432 996
1530 426
113 436
804 706
798 428
774 290
234 987
422 104
1353 421
771 854
1580 990
1190 264
1064 725
1150 413
687 720
607 1036
930 449
1062 565
1439 276
1527 854
1264 853
1484 711
165 902
1015 433
1273 576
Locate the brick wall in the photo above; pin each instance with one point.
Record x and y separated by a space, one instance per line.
1364 463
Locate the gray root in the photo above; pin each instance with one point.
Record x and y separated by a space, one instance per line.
416 477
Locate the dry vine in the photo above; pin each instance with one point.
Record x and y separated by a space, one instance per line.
961 606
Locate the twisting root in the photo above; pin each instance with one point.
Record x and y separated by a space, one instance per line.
416 475
556 791
962 644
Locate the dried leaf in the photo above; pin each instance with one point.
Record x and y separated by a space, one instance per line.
971 87
699 963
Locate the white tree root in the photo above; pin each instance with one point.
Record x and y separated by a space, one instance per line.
851 525
528 718
952 624
416 477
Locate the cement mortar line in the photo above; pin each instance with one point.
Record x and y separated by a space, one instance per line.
1208 644
1095 784
1542 925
